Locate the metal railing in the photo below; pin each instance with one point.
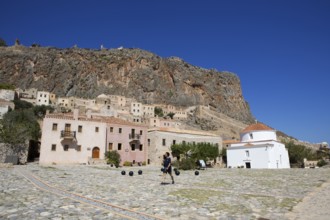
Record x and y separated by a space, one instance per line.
134 136
68 134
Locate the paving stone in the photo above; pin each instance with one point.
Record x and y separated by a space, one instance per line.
214 194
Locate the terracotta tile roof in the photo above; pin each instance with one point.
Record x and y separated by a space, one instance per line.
4 101
175 130
257 127
101 119
230 141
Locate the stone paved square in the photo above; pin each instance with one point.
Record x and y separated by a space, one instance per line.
213 194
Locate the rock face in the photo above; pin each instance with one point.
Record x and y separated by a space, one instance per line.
133 73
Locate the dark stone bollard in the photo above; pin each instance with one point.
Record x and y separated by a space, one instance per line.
131 173
177 172
140 172
196 173
123 172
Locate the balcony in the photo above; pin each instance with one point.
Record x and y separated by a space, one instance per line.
134 136
68 134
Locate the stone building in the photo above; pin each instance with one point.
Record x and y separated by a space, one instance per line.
43 98
5 106
160 141
162 123
7 94
82 139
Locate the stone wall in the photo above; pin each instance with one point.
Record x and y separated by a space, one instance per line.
8 95
8 150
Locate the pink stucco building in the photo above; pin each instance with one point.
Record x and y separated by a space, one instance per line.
83 139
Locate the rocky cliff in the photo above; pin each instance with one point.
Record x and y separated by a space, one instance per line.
130 72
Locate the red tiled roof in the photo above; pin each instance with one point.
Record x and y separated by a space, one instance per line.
104 119
230 141
176 130
257 127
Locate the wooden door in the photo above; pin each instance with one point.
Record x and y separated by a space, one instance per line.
96 152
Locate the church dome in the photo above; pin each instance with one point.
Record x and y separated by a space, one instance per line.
257 127
258 132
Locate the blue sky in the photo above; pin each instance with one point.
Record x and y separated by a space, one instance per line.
280 49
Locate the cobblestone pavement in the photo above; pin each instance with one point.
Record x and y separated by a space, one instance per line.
213 194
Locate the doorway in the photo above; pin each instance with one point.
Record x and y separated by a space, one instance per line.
96 153
248 165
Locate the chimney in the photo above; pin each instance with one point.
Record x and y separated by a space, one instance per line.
75 114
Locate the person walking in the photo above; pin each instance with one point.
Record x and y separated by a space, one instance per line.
167 167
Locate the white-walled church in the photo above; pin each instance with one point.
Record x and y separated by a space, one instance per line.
258 148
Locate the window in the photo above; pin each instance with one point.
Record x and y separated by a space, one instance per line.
164 142
251 136
111 129
247 153
66 147
80 128
96 129
54 127
53 147
183 142
133 147
141 147
110 146
119 130
141 132
67 127
174 141
149 142
78 147
119 146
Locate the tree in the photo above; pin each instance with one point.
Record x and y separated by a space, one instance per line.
205 151
113 157
223 154
297 153
2 43
40 110
194 152
171 115
20 104
19 127
180 149
159 112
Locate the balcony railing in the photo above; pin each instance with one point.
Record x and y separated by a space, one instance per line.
134 136
68 134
